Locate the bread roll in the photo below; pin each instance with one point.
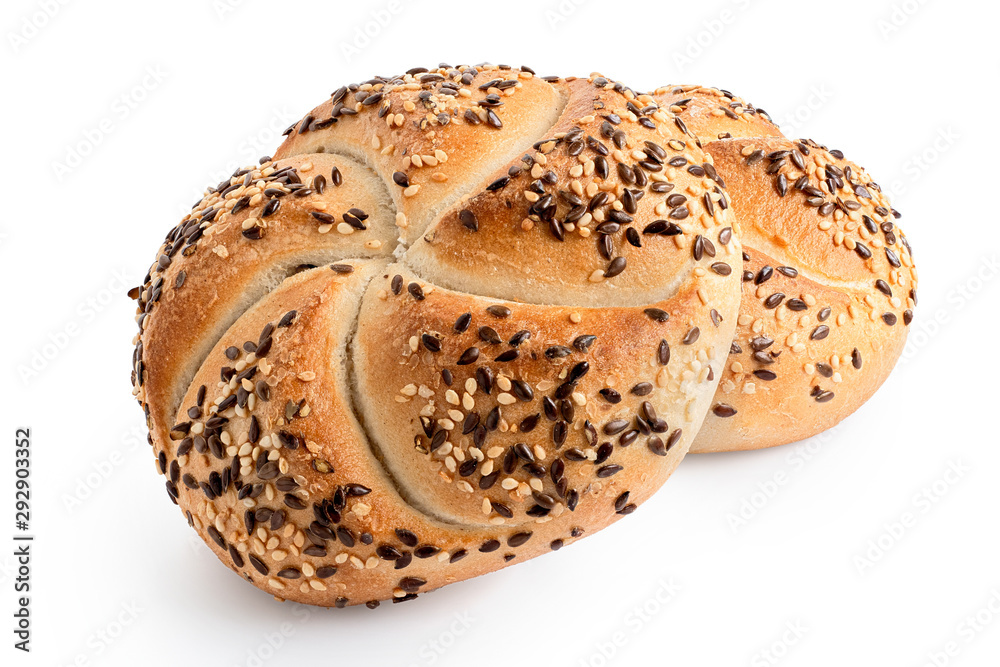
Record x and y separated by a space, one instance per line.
346 418
829 283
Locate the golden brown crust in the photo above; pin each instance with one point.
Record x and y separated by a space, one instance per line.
712 114
837 236
306 513
798 368
429 144
621 188
471 399
242 239
264 451
829 283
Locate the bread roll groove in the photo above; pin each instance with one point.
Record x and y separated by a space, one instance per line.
330 141
349 387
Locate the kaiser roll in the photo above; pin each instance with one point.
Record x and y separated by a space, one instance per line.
464 317
829 283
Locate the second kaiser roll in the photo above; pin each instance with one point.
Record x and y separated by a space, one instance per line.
464 317
828 278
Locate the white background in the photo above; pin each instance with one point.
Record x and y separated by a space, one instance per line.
117 114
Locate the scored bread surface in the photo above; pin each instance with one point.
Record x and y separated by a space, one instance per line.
462 318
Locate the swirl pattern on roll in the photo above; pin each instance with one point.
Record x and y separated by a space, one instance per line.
464 317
